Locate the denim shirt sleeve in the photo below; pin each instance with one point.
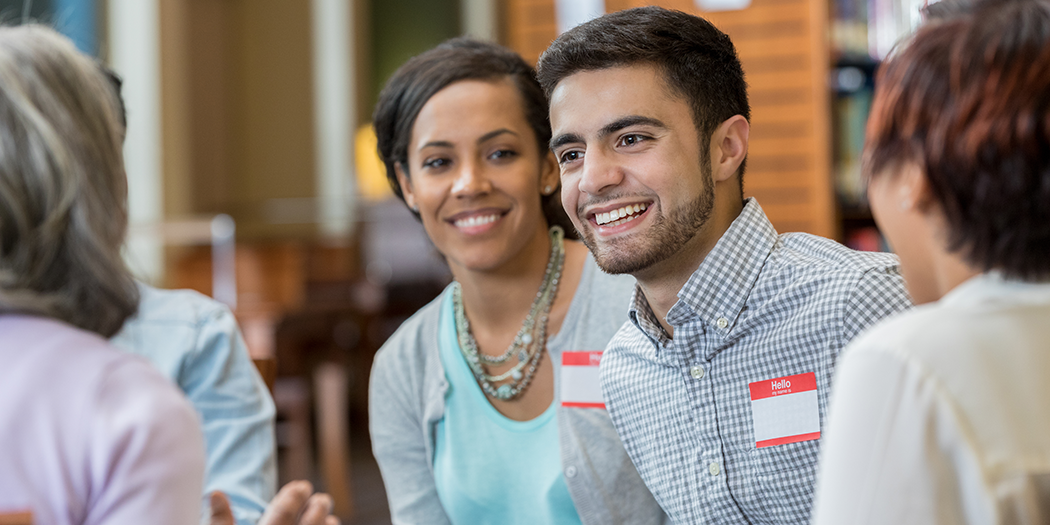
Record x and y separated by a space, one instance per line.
196 342
237 415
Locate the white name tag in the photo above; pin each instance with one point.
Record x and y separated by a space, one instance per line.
580 387
785 410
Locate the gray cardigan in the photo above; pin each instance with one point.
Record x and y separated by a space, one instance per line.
407 399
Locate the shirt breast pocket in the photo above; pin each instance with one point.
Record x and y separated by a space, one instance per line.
785 477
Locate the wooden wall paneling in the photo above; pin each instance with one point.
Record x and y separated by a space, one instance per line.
274 164
176 133
785 62
210 40
529 27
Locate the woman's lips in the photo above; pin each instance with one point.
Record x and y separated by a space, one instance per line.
476 221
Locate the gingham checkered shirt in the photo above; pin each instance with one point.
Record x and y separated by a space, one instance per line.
760 306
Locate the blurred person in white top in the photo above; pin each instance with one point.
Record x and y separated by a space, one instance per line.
942 414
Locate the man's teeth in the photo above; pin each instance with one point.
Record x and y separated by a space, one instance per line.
476 220
620 216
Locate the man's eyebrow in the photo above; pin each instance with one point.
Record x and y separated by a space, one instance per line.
563 139
609 129
632 120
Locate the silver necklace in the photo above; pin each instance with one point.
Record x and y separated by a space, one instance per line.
528 344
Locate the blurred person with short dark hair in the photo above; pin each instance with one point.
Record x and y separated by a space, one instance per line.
195 342
941 415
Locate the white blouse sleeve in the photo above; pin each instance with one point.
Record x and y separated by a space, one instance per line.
893 450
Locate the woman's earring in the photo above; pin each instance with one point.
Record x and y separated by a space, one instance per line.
547 189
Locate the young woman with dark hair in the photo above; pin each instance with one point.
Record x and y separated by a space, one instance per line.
469 419
941 414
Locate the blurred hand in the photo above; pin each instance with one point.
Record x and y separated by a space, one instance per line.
293 505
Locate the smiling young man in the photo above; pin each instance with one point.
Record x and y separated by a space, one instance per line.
719 382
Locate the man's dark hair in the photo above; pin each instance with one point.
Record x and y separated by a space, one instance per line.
968 101
118 87
698 61
424 75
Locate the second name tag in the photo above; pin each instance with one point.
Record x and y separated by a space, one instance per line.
785 410
580 387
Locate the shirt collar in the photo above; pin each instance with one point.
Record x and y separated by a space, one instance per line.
719 288
994 287
643 317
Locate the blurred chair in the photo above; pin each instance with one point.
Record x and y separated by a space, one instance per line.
267 367
219 232
333 426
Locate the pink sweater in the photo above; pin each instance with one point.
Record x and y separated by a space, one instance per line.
91 435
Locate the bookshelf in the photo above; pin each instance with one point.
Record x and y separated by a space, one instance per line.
862 33
810 67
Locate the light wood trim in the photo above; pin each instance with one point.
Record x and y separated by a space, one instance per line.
16 518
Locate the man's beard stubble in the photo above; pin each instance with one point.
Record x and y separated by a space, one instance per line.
668 234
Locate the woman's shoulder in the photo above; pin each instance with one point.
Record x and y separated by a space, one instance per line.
414 344
914 334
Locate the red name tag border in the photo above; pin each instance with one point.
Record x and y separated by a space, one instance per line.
798 383
787 439
575 404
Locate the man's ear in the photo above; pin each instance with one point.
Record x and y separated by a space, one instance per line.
406 186
729 147
550 176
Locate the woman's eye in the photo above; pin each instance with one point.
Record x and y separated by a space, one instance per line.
503 154
438 162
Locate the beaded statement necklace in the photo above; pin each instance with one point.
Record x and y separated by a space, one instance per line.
531 340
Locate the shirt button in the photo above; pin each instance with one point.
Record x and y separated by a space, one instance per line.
722 322
570 471
697 372
714 469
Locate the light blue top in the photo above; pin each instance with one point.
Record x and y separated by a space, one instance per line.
194 341
490 468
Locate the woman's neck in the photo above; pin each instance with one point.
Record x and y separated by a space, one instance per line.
498 299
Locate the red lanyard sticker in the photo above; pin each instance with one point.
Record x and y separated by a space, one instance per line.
580 387
785 410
